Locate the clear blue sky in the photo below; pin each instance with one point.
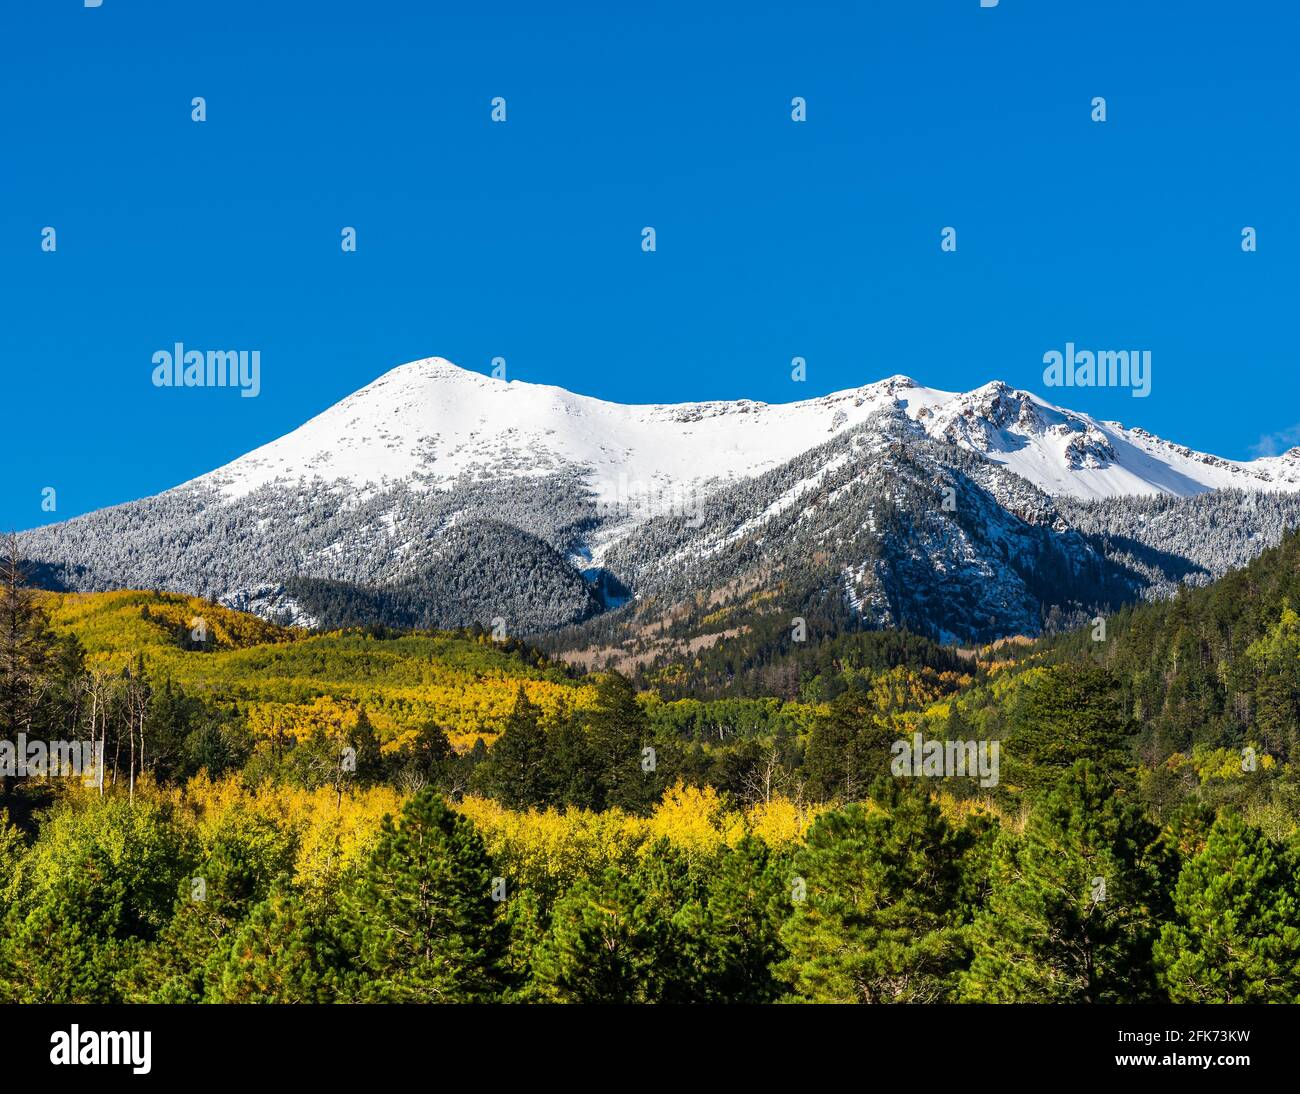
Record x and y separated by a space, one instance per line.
522 240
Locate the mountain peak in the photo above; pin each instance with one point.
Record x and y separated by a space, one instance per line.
433 472
429 423
430 368
897 382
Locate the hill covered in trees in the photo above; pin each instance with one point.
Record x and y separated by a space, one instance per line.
728 825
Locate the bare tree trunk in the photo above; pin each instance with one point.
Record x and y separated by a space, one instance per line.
130 732
103 738
94 727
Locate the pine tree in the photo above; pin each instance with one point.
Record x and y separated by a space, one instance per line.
878 920
1074 905
742 923
1236 932
97 883
1275 661
167 725
848 749
420 918
573 766
286 951
429 761
518 770
527 919
369 759
619 731
247 857
625 937
830 760
601 947
955 726
27 651
11 855
1064 714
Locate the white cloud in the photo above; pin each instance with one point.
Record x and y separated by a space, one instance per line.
1274 444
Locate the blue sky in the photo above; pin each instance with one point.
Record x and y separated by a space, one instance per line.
522 240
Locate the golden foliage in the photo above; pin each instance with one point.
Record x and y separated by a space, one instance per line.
291 683
545 847
332 832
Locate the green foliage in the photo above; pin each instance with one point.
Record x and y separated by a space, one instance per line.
1062 715
741 940
96 881
12 849
245 857
848 749
879 920
574 777
1274 662
1235 937
622 937
1136 850
420 919
1075 904
618 731
518 771
286 951
1213 666
762 660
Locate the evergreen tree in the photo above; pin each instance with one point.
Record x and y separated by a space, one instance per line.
420 918
955 726
879 919
96 884
429 761
1236 932
527 919
848 749
747 900
600 948
12 850
369 758
625 937
1063 714
1275 661
518 770
214 746
573 766
166 726
246 858
619 730
286 951
1074 906
830 760
30 686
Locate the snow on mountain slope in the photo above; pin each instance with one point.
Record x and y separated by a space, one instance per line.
1067 453
438 497
430 423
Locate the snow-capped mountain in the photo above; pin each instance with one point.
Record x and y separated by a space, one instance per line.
430 422
1066 453
438 496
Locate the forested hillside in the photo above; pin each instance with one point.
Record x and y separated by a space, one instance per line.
727 824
